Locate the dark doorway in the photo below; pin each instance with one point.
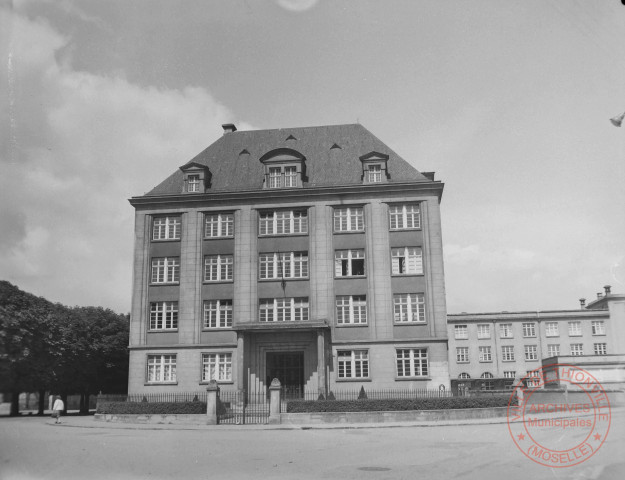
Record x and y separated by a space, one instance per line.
288 367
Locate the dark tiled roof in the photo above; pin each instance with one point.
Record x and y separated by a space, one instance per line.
234 163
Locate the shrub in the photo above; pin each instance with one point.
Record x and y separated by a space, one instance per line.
368 405
362 395
155 408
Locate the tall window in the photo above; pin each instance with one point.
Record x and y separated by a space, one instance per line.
218 268
275 177
349 263
505 330
409 307
166 270
529 329
598 328
374 173
348 219
161 368
483 330
551 329
575 329
485 354
217 313
601 348
404 216
166 228
283 222
351 309
193 183
531 352
290 177
507 353
163 315
283 309
217 366
406 261
577 349
412 362
283 265
219 225
462 354
353 363
553 350
461 331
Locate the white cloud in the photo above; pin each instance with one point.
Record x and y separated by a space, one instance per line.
85 143
297 5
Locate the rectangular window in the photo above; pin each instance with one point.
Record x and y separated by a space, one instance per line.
217 366
351 309
483 330
193 183
349 263
575 329
533 379
406 261
403 217
598 328
461 331
283 265
551 329
601 348
531 352
529 330
161 368
283 309
509 374
163 315
166 228
409 307
412 362
165 270
485 354
553 350
283 222
218 268
349 219
462 354
505 330
219 225
353 363
218 314
275 177
577 349
375 173
290 177
507 353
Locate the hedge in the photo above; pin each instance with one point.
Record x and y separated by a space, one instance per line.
151 408
367 405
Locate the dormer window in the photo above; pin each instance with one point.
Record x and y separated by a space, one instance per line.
375 173
374 168
193 183
284 168
196 177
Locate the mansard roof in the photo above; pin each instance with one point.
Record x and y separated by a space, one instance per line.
234 160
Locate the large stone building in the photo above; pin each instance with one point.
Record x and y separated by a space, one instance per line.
311 255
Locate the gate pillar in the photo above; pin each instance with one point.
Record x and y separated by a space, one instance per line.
274 401
212 399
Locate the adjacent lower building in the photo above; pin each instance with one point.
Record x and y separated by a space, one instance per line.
312 255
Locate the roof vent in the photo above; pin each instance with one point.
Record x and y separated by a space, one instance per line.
244 152
334 146
599 295
291 137
608 289
582 302
229 128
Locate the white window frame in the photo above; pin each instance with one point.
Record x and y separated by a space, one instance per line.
409 307
404 217
352 364
163 316
553 350
193 183
531 352
407 261
575 329
462 354
509 374
218 268
217 366
507 353
344 261
217 314
483 330
282 176
486 354
600 348
598 327
166 228
283 222
533 379
218 225
275 265
351 309
349 219
374 173
165 270
529 330
461 332
464 376
577 349
552 329
161 368
505 330
412 362
293 309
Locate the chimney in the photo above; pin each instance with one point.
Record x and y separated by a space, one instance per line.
607 289
582 302
229 128
599 295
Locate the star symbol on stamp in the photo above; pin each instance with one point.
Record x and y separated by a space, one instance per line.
520 436
597 436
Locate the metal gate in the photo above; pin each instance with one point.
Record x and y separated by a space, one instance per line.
243 408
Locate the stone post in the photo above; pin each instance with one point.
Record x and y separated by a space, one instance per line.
212 400
274 401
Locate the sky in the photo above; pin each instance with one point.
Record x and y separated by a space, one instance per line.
508 102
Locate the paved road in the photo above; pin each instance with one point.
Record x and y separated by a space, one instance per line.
33 449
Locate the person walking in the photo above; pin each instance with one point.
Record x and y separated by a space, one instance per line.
57 408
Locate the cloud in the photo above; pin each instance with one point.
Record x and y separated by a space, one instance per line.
83 144
297 5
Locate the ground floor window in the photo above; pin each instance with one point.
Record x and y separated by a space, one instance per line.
353 363
412 362
217 366
161 368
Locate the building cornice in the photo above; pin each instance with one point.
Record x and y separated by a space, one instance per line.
536 315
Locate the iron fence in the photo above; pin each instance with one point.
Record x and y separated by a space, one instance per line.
168 397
